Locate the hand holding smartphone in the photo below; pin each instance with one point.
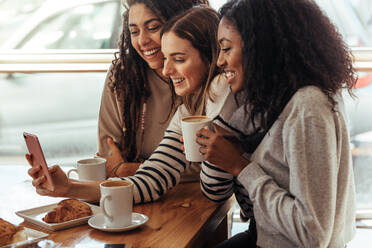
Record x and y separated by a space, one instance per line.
38 158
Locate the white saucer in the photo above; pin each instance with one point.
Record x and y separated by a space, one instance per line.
98 222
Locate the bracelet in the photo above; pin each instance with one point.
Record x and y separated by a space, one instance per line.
116 167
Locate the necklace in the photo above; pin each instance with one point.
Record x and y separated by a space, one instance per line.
142 121
142 128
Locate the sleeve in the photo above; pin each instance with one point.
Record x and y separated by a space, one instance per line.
162 171
109 120
305 212
216 184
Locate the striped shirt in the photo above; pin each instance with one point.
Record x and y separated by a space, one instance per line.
218 185
163 169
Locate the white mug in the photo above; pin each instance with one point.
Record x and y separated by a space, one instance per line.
117 202
190 126
91 169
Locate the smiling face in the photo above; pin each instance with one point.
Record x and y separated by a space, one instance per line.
230 58
183 64
145 27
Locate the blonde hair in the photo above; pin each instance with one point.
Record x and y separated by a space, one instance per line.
199 25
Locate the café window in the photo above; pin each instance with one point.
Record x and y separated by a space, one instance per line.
74 29
70 25
59 105
61 108
13 13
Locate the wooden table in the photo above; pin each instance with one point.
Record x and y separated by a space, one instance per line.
181 218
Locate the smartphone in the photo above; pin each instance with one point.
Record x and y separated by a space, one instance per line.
34 148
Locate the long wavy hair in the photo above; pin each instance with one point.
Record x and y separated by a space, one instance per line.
128 79
288 44
198 25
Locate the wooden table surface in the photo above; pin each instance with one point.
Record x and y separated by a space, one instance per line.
181 218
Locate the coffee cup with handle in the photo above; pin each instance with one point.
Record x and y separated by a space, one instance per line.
117 202
91 169
190 126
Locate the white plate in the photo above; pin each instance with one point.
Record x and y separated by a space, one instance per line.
35 216
33 236
98 222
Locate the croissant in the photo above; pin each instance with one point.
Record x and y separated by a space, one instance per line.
10 233
66 210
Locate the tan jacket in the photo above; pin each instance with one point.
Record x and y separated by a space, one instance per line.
110 123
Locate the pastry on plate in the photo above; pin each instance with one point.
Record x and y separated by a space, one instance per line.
10 234
68 209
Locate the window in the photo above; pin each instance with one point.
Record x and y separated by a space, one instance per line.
61 108
13 13
86 26
353 19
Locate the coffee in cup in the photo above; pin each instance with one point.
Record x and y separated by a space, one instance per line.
91 169
190 126
117 202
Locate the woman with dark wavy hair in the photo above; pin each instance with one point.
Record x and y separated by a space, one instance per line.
291 170
137 100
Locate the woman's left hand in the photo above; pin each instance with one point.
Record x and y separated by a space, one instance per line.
222 148
112 160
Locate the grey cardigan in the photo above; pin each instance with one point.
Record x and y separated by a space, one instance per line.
300 178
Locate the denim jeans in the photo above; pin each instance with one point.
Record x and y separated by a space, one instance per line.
246 239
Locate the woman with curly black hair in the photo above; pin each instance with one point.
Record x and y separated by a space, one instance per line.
137 100
291 171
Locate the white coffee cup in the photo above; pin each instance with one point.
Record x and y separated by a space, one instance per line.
91 169
190 126
117 202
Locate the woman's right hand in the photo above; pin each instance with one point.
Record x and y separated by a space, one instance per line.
61 182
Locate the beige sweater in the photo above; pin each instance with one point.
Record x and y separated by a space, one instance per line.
110 123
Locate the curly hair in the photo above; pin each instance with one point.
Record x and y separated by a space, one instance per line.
128 78
199 26
288 44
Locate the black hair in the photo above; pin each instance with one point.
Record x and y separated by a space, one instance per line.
288 44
